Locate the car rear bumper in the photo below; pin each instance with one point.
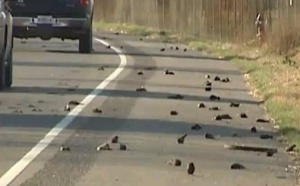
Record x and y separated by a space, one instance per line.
67 28
59 23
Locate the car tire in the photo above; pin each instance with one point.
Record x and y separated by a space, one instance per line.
86 41
9 70
2 72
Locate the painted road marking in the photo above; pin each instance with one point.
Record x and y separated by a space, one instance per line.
18 167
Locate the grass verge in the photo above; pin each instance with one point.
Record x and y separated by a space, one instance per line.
273 78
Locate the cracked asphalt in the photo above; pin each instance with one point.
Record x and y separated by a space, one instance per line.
47 75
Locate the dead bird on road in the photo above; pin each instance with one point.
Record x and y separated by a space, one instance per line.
181 139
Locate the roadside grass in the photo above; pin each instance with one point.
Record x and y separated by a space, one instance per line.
150 33
271 77
129 28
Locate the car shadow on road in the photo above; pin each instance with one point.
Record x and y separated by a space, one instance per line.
125 94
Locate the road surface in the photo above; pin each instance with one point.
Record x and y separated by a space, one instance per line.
47 75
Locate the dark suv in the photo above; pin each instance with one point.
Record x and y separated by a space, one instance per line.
46 19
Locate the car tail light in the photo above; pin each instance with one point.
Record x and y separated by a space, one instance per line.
84 2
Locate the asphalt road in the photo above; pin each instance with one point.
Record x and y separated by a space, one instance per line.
47 75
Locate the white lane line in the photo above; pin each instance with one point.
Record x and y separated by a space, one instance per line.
17 168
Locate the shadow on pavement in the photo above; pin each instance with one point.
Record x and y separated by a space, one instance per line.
130 82
129 66
100 124
153 54
122 93
168 55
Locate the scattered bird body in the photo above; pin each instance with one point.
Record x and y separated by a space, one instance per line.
266 136
207 76
223 116
225 80
104 146
176 96
208 88
31 106
181 139
218 117
226 116
122 147
214 108
67 107
97 110
208 83
174 162
260 120
176 48
185 50
291 148
168 72
115 139
18 111
209 136
243 115
173 113
101 68
237 166
253 130
65 148
196 127
74 103
162 49
217 78
214 97
191 168
234 104
270 153
140 73
142 89
108 46
201 105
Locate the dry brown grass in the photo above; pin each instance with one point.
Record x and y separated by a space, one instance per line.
285 37
231 20
275 76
